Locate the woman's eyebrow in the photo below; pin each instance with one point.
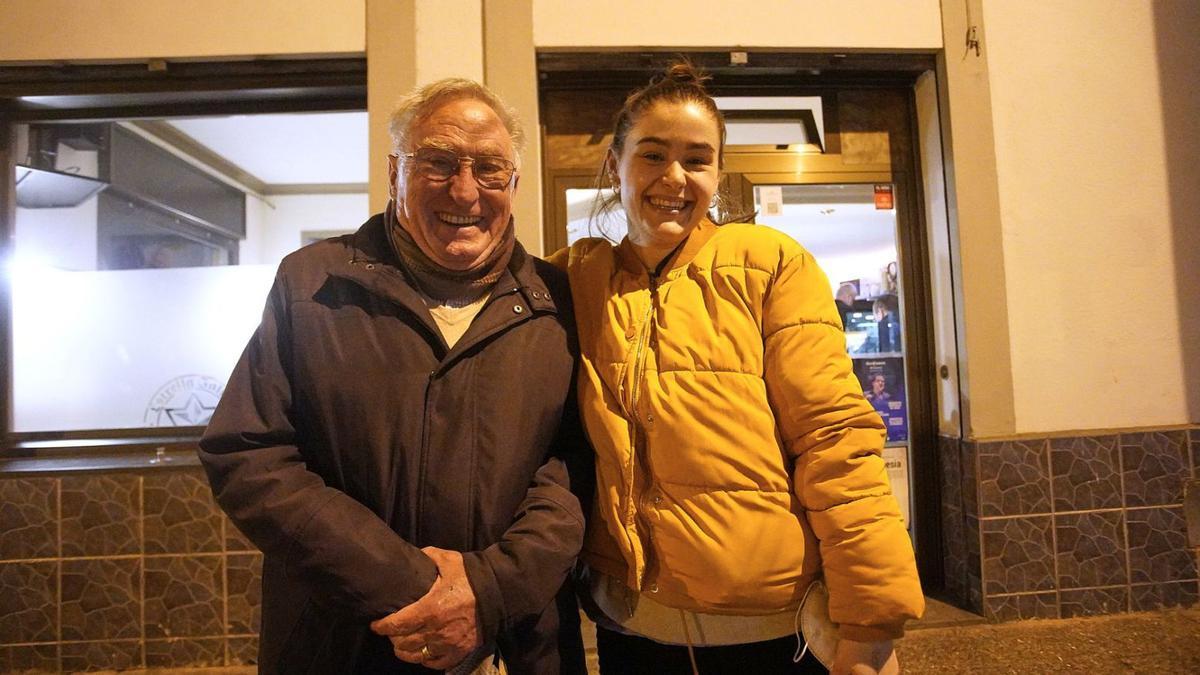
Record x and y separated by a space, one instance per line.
651 139
661 141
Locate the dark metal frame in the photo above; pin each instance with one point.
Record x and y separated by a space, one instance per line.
131 91
154 89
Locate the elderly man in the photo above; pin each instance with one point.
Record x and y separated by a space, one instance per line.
395 436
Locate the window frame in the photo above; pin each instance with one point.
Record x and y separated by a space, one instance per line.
139 90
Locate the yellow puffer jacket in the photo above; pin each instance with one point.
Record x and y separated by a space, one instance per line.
736 456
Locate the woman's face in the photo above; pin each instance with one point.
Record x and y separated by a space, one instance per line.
668 173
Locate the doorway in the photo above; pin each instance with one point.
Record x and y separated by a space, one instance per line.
843 180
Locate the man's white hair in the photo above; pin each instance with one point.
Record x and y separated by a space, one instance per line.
424 99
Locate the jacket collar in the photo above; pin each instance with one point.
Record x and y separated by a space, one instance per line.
374 265
629 261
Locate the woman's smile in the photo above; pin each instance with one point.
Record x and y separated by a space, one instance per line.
668 173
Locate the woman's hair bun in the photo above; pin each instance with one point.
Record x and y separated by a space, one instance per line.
683 72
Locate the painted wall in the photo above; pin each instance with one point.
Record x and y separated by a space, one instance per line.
410 43
973 211
276 227
449 39
1070 209
57 30
1086 218
812 25
119 29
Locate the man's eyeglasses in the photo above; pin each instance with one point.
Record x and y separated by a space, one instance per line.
492 173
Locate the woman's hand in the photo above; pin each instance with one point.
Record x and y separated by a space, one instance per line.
864 658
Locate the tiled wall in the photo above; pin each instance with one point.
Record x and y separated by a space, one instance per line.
1070 526
123 570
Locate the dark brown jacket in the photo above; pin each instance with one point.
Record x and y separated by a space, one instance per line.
349 437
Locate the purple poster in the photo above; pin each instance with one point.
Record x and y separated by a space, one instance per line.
882 381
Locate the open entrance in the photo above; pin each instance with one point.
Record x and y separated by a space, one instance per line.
823 148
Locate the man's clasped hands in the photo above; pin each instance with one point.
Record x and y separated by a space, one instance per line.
439 630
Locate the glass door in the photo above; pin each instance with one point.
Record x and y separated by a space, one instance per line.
852 231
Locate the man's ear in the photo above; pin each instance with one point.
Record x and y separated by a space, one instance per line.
393 173
516 182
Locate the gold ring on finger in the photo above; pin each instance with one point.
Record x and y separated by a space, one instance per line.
425 655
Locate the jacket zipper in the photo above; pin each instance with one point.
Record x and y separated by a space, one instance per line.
424 458
425 422
636 439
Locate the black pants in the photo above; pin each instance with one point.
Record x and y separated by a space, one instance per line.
629 655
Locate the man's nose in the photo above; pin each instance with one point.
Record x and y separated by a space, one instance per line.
463 187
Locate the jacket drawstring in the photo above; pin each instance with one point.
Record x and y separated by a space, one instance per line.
801 643
687 634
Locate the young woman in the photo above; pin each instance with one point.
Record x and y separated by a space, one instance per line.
737 460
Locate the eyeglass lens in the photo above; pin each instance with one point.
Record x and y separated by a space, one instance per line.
439 165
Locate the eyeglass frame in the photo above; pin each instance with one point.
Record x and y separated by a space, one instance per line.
458 162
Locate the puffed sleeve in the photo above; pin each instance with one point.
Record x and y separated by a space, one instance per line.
835 440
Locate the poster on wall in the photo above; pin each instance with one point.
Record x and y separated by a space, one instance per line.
895 458
882 382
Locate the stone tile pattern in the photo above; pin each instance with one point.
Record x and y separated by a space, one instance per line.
1014 478
243 593
28 518
180 514
1194 444
28 611
100 515
1093 601
100 598
1091 549
1154 467
1158 546
183 596
1018 555
1069 526
108 655
185 653
123 570
954 551
1021 607
32 658
960 523
1085 473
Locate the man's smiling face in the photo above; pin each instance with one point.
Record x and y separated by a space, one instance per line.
456 222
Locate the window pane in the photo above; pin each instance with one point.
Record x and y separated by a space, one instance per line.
105 349
130 307
609 223
852 233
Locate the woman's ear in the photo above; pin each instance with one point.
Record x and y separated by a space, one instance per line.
610 169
